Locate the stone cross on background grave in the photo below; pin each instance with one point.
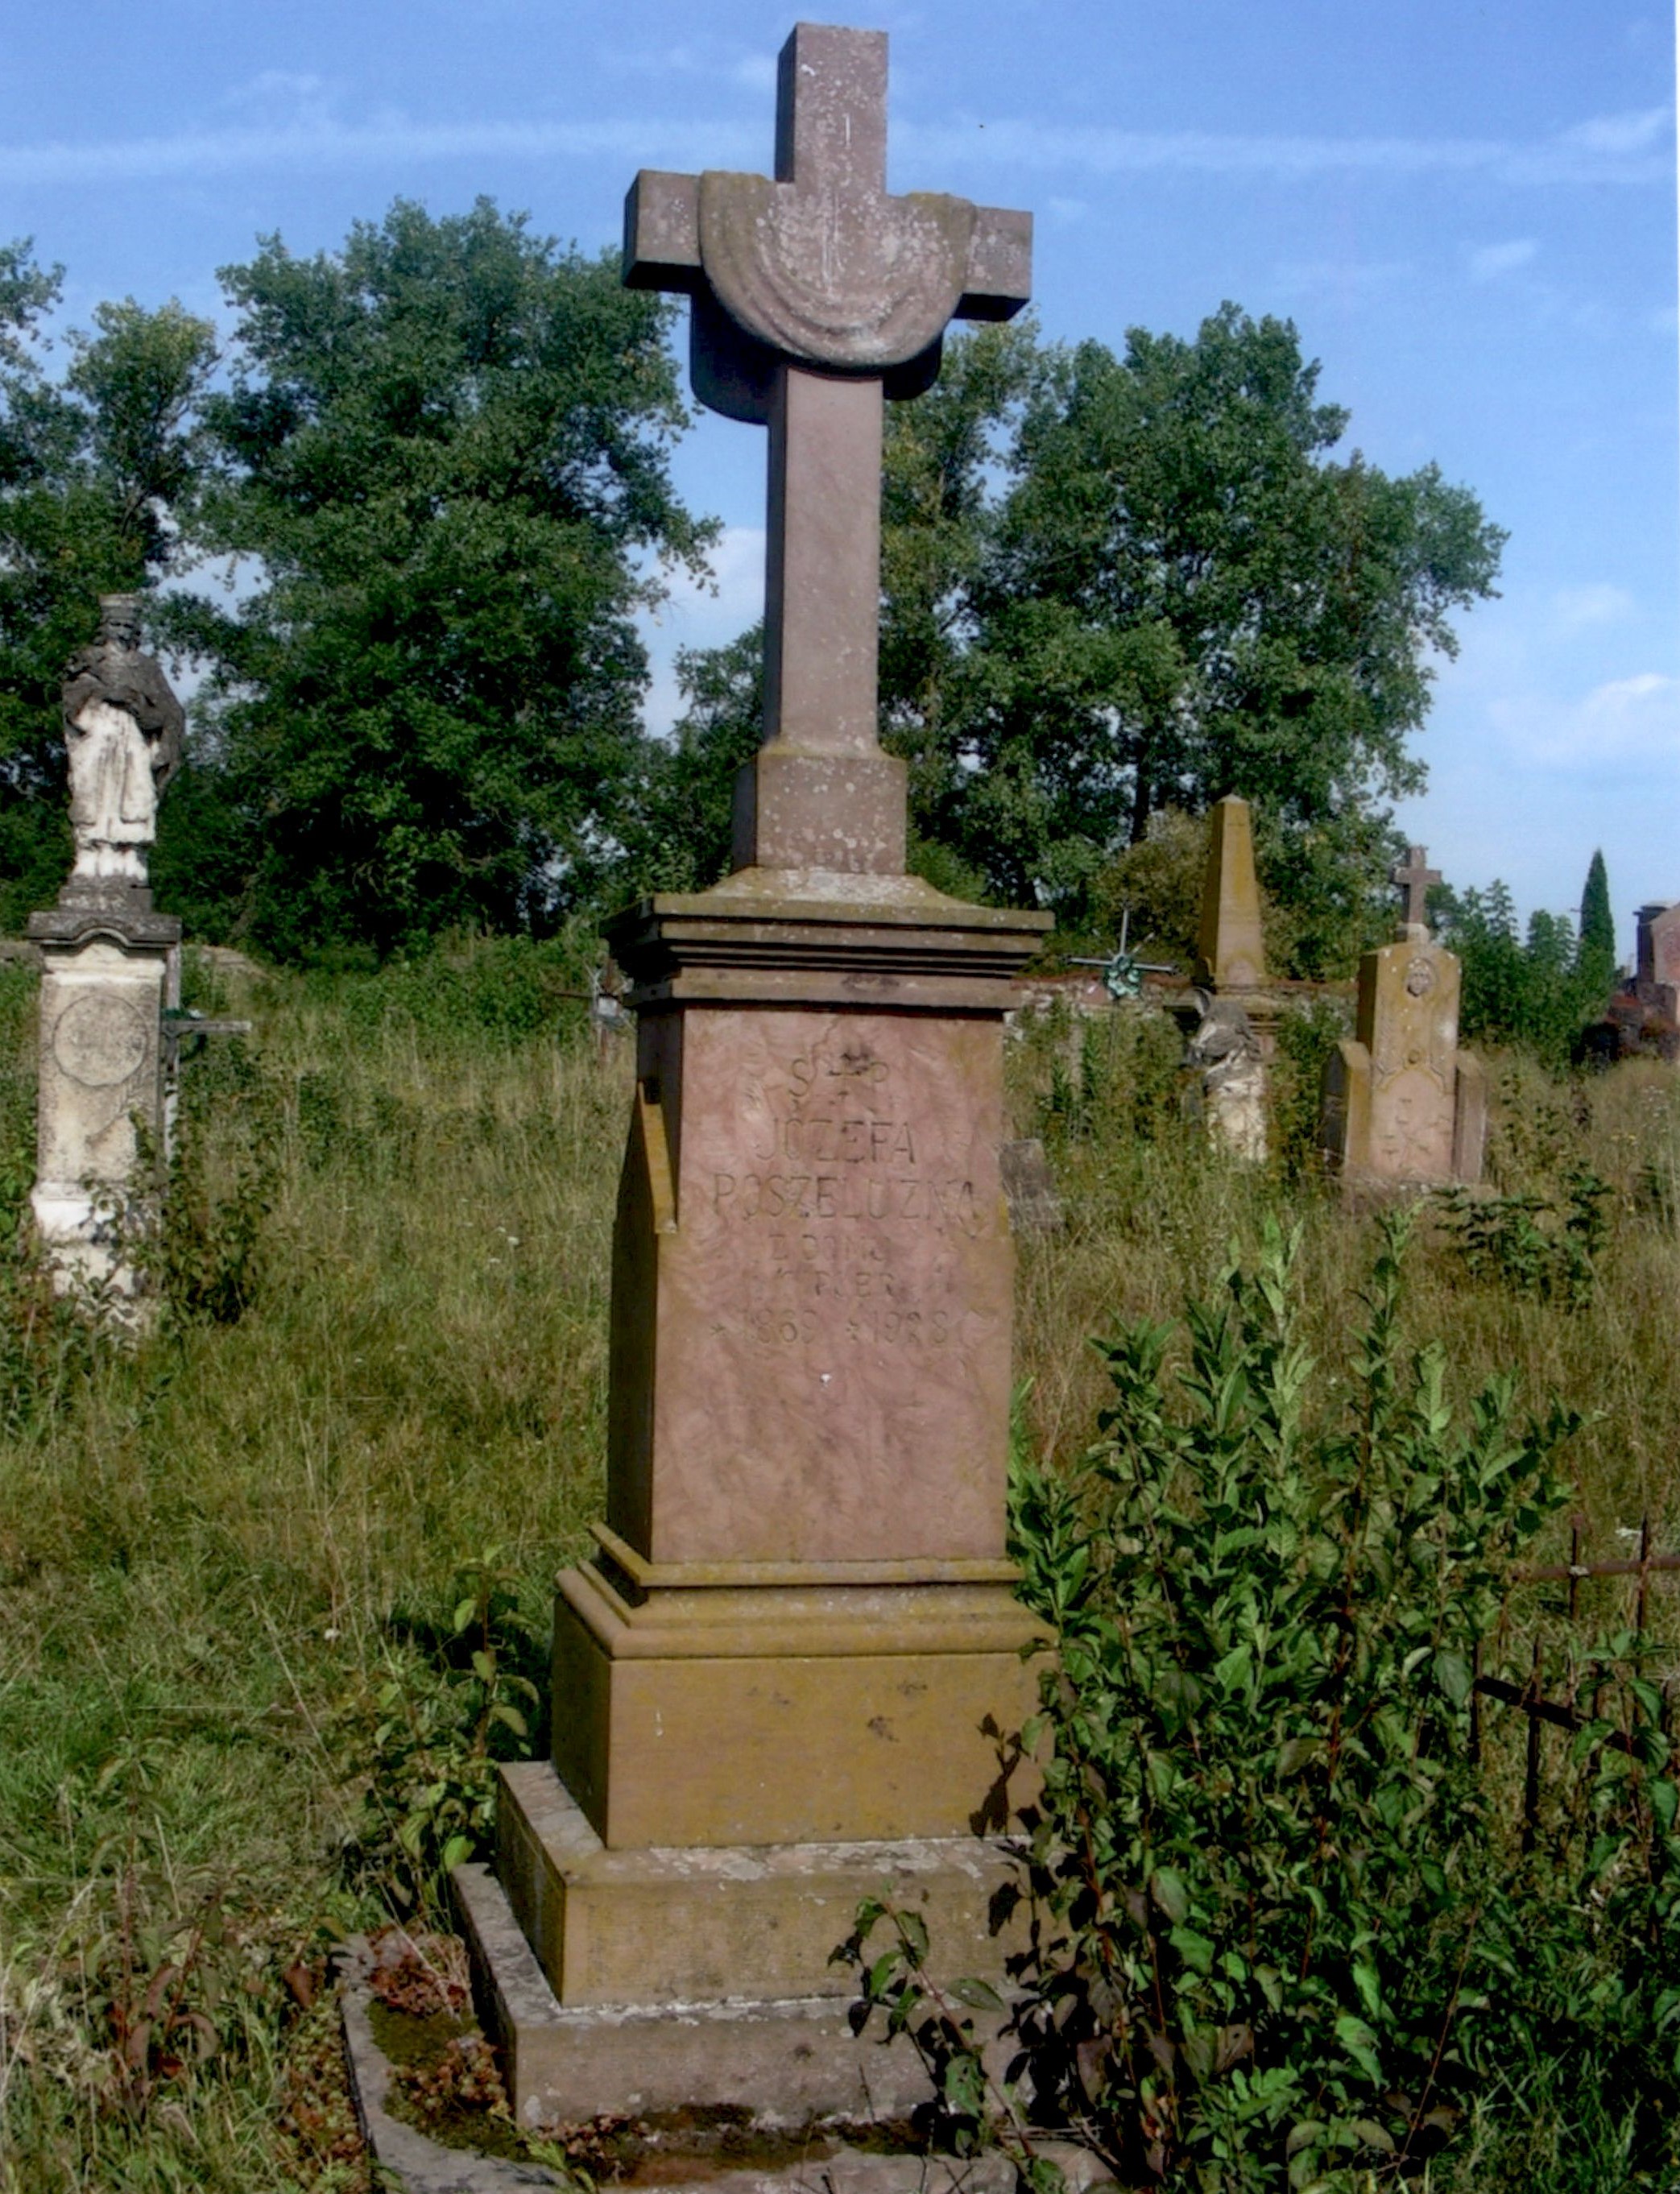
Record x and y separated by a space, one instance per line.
816 295
1413 876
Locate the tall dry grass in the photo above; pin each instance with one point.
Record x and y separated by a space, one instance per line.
215 1547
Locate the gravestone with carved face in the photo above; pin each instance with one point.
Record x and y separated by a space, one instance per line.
1402 1103
110 960
792 1666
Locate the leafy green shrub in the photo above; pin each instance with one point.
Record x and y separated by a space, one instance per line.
1124 1083
1265 1845
1534 1244
499 991
1538 991
1306 1036
431 1735
200 1232
1287 1936
1155 888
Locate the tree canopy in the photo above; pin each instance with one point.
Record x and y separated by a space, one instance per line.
1120 584
434 482
443 464
1539 991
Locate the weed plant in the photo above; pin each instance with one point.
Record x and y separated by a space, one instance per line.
234 1555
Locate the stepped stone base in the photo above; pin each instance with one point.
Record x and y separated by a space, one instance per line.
720 1704
638 1981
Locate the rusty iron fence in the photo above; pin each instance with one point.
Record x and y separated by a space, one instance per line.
1530 1698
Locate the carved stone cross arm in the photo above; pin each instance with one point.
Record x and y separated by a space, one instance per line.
977 261
820 265
817 296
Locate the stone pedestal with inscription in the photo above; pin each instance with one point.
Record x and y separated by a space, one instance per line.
792 1672
104 982
800 1619
792 1675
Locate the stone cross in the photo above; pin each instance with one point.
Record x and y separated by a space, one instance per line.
792 1667
1414 877
816 295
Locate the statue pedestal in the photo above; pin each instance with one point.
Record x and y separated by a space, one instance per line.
107 960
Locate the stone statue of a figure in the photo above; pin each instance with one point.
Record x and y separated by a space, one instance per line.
123 731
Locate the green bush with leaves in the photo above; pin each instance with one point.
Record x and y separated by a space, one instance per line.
1539 990
199 1227
457 1697
1536 1244
1306 1036
1287 1936
1118 1078
487 993
1265 1847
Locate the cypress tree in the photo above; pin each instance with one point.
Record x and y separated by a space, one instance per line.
1595 954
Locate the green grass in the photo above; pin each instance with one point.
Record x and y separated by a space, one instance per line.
216 1546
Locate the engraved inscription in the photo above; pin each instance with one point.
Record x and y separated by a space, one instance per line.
832 1179
99 1041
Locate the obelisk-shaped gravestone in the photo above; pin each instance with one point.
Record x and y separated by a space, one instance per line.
791 1670
1231 950
1402 1105
106 957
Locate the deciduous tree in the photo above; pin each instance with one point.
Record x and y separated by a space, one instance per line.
1187 595
443 460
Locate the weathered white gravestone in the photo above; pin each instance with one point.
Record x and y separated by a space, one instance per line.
107 955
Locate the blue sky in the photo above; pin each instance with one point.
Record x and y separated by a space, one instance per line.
1467 206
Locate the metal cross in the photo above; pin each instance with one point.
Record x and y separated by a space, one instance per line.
1414 877
816 295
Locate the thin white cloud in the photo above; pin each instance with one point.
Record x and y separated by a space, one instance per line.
303 97
1596 603
755 71
1621 133
1632 721
1492 260
1339 278
397 141
1612 149
1607 150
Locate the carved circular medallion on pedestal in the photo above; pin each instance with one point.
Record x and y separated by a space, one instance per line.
99 1040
